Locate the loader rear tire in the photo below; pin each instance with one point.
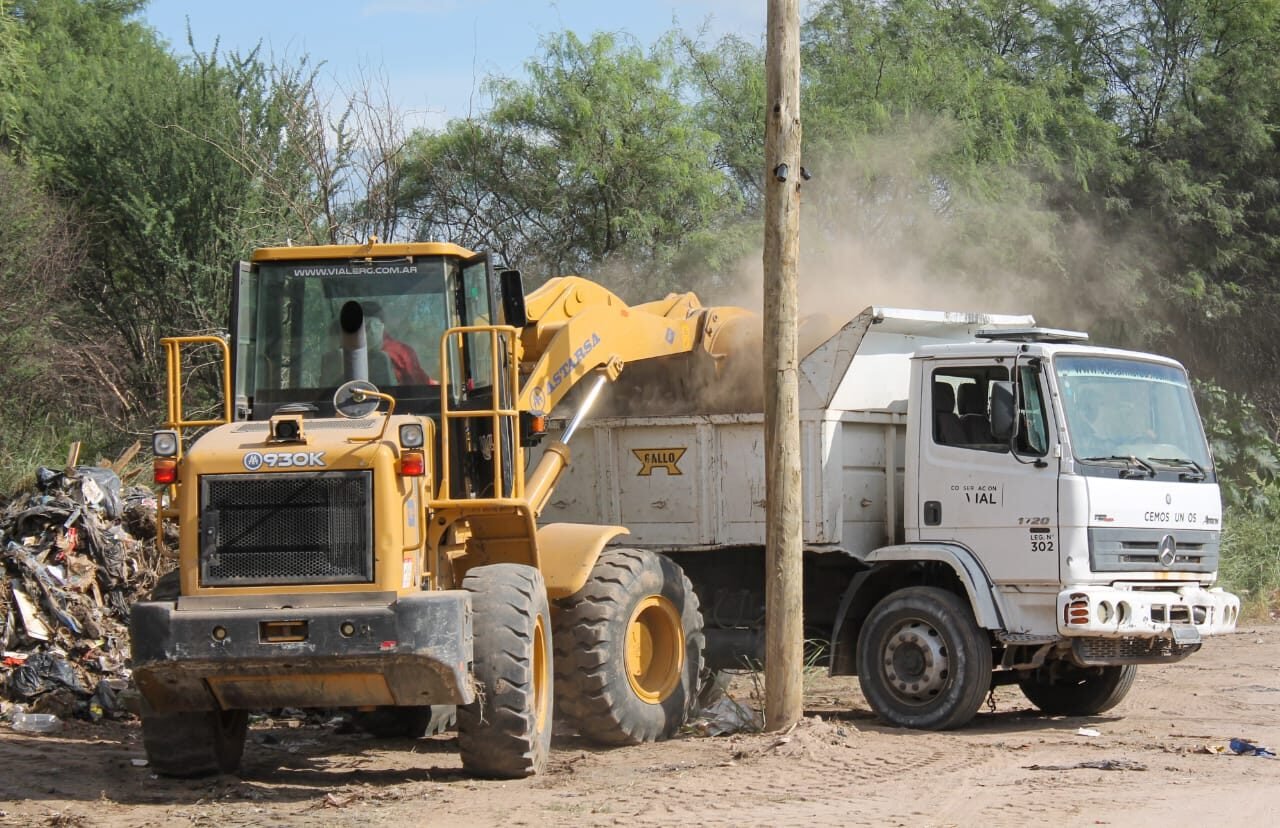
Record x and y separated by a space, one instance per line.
406 722
1063 689
629 650
506 732
190 744
923 662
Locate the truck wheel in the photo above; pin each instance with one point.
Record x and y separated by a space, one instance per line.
199 743
922 660
506 731
1063 689
406 722
629 650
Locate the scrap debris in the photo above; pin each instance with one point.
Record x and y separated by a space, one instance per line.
1240 747
1099 764
75 554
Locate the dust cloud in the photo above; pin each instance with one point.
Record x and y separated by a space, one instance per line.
879 226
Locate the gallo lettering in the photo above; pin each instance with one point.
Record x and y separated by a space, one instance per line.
566 369
255 460
662 458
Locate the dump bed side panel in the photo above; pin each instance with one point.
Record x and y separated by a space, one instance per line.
686 483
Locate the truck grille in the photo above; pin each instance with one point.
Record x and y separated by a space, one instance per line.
313 527
1138 550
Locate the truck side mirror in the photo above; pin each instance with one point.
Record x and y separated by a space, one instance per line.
512 288
1003 412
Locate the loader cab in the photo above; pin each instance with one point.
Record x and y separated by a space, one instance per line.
297 312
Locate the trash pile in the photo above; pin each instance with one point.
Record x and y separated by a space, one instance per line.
75 554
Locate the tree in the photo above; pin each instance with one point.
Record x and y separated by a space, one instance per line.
594 161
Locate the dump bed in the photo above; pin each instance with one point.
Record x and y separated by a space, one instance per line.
686 483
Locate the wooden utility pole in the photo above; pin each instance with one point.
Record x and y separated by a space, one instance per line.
784 628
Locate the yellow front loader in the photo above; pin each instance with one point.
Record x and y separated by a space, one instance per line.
358 529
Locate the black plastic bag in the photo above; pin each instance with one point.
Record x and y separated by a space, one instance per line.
42 673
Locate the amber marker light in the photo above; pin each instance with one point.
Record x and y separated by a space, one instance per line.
413 464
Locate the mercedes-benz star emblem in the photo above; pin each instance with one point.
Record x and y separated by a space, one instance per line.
1168 550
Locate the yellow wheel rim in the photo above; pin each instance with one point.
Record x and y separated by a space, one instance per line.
541 676
654 649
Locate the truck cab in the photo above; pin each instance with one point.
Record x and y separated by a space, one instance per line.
1061 526
1083 476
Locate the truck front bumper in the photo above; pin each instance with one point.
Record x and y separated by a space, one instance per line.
1126 625
411 650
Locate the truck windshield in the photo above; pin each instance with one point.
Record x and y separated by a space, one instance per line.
1137 415
298 353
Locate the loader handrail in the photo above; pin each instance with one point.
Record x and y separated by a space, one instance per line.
173 361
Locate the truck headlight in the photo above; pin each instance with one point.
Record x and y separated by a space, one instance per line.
164 443
411 435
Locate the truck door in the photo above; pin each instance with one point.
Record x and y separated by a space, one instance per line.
973 490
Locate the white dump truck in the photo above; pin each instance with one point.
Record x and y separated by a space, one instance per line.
985 503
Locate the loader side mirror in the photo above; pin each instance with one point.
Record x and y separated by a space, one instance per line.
1003 412
512 288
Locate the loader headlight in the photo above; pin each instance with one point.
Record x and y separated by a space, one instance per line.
164 443
411 435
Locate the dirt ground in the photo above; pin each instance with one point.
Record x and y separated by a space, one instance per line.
1154 762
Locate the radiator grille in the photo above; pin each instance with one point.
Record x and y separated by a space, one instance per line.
314 527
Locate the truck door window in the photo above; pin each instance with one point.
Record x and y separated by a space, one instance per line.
960 401
1033 429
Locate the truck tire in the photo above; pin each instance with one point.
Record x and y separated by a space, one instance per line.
923 662
629 650
406 722
190 744
506 732
1063 689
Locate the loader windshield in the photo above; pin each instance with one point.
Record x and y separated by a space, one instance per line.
1132 418
298 354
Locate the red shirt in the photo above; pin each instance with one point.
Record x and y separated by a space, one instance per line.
405 361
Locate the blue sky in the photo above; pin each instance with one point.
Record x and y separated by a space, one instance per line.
433 54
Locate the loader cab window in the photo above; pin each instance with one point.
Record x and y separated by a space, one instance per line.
298 355
961 404
476 310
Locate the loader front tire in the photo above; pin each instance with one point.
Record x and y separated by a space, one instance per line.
629 650
191 744
506 732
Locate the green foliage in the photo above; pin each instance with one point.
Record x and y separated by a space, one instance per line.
1248 465
173 170
1246 456
1250 562
594 160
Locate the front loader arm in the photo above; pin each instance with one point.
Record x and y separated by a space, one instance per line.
576 327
